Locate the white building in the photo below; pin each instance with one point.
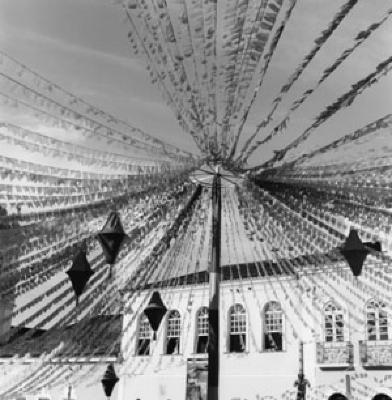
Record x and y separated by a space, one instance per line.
262 322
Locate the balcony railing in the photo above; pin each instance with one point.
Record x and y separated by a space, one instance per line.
334 355
376 354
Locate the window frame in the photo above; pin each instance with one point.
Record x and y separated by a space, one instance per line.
376 306
169 335
143 321
266 329
201 310
238 332
336 311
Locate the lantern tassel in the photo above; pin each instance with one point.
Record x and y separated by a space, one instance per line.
154 336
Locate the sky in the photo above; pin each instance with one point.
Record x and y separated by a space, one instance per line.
82 45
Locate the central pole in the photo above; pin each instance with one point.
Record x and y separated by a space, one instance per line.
214 279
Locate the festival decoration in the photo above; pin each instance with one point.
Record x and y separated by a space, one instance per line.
155 311
361 37
109 380
79 273
319 42
70 99
111 237
342 102
355 252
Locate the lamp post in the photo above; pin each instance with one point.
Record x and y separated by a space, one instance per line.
69 392
301 382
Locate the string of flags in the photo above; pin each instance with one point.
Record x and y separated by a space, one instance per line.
361 37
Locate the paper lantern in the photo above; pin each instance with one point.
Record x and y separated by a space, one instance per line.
109 380
79 273
111 237
355 252
155 312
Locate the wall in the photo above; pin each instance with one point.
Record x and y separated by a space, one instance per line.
256 373
242 375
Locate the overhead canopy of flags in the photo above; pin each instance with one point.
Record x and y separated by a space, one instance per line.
211 77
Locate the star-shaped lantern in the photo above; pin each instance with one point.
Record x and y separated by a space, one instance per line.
79 273
111 237
355 251
109 380
155 312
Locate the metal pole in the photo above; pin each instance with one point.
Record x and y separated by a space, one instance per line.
214 279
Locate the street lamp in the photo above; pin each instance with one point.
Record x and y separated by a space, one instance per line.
301 383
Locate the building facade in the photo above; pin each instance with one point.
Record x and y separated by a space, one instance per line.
344 327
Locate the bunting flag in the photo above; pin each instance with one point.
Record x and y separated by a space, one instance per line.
267 59
369 129
42 84
211 91
243 62
68 117
342 102
156 57
361 37
319 42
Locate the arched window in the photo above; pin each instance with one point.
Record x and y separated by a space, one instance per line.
237 335
337 396
333 323
143 337
273 326
173 332
202 330
376 320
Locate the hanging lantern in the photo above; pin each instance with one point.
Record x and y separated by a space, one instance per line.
155 312
109 380
355 252
111 237
80 273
